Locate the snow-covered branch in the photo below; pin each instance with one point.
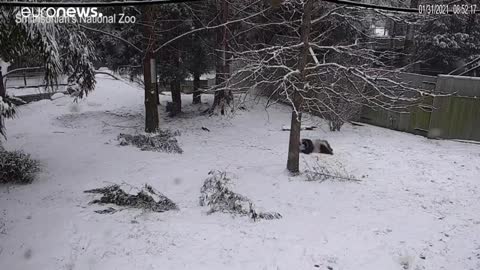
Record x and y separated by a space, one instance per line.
344 71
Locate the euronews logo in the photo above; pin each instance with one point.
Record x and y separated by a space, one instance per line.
69 15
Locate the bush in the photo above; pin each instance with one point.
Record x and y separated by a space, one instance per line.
17 167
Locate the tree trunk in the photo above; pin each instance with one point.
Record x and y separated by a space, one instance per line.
3 91
293 163
157 93
176 88
197 97
409 45
222 97
294 144
3 94
149 75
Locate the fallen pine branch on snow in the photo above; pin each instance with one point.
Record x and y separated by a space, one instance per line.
147 198
162 141
216 192
323 171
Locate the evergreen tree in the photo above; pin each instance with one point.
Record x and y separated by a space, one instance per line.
62 49
199 47
445 42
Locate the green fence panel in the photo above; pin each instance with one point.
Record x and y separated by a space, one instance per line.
456 118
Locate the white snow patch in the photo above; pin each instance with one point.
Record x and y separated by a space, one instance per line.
57 96
4 66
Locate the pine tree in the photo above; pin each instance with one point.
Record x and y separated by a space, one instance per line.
63 49
444 42
199 47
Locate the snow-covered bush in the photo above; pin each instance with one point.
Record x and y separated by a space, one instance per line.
216 192
17 167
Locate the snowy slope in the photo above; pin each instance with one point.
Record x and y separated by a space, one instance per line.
416 208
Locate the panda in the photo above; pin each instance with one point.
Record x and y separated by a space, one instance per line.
308 146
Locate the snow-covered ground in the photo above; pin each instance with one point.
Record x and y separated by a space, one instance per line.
417 206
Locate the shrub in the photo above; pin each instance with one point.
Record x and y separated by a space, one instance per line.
17 167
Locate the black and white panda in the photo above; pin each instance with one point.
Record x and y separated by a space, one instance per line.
308 146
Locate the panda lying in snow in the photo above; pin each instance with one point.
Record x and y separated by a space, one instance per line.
308 146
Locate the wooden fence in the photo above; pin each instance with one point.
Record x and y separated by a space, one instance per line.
456 116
